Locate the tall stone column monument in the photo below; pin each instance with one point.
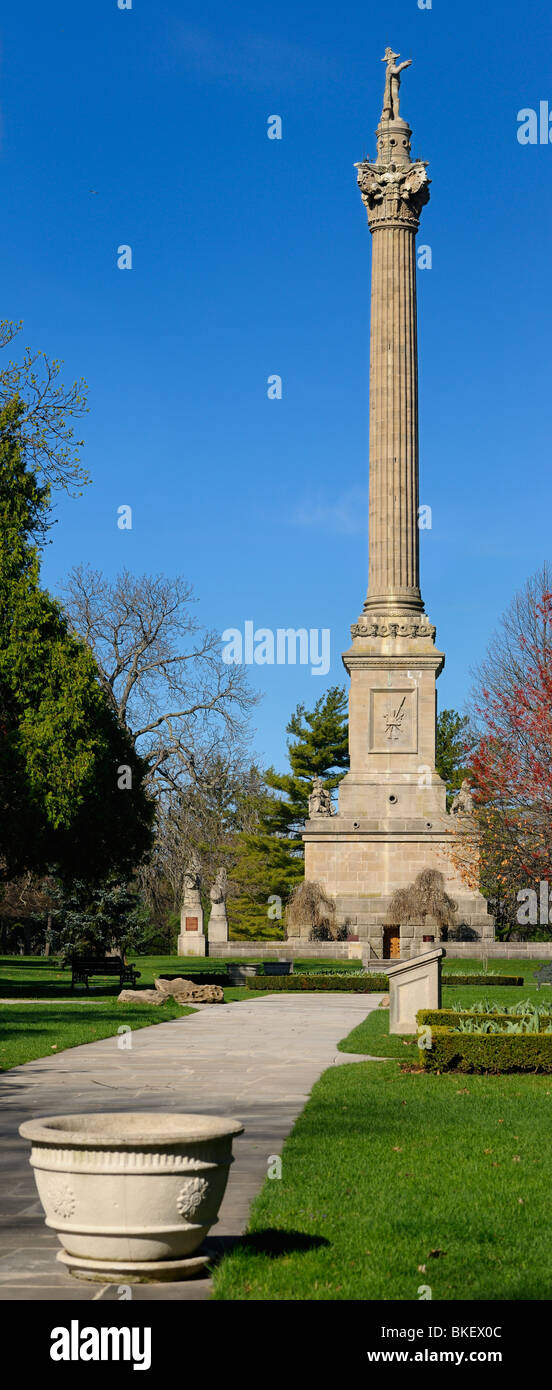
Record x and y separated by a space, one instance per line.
392 819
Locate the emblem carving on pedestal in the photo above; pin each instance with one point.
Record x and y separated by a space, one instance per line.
394 721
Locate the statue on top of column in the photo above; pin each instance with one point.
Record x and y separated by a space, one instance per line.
392 85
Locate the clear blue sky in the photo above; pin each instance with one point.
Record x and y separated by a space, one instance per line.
252 257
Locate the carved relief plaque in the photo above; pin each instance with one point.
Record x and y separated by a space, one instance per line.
394 720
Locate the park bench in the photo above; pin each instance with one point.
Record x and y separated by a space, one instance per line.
83 967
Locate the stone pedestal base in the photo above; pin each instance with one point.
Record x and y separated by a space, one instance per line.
192 944
392 820
217 929
191 941
134 1271
361 862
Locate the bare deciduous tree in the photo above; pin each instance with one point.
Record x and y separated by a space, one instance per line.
522 630
184 707
46 434
206 819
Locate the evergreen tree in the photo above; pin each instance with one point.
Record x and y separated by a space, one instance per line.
269 856
99 917
62 804
451 757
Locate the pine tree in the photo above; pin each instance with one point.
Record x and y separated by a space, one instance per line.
450 755
269 856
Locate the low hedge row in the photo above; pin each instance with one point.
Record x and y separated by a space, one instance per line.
449 1018
356 984
490 980
484 1052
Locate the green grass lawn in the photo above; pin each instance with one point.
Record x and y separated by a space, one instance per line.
28 1030
372 1036
528 969
38 977
34 977
389 1183
394 1180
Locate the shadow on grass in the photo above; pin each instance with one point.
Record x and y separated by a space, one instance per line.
28 963
271 1243
55 989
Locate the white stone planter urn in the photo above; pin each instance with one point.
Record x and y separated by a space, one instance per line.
131 1196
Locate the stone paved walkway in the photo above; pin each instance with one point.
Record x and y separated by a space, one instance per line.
257 1061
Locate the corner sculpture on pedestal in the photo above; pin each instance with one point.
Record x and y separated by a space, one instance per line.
392 821
320 801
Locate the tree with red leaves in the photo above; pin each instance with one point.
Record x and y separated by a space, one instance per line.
511 761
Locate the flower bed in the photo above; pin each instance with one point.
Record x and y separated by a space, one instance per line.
450 1018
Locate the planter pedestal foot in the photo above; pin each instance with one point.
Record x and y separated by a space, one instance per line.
134 1271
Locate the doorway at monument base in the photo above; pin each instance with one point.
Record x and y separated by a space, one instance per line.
361 868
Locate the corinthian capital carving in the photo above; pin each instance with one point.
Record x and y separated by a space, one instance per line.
393 193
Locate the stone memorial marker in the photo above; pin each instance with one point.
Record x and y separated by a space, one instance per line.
414 984
191 941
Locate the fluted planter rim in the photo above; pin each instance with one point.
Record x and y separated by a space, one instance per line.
128 1130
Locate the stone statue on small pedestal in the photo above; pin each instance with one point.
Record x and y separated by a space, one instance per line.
218 922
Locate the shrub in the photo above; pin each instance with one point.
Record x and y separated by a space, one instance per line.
202 977
309 905
354 984
424 897
490 980
495 1053
335 974
329 969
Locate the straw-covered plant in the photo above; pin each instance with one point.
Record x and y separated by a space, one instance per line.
309 905
425 897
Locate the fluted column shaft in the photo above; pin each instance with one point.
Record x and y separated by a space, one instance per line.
394 190
393 518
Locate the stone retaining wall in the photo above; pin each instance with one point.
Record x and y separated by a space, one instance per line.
349 950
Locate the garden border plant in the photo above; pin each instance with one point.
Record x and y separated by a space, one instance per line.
450 1018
